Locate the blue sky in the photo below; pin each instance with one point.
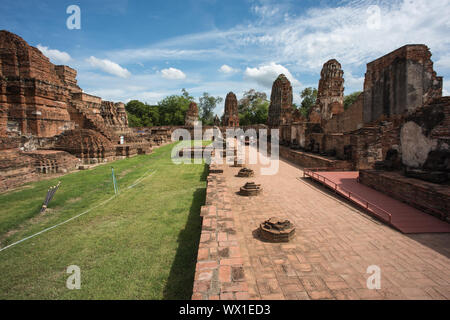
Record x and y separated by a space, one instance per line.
149 49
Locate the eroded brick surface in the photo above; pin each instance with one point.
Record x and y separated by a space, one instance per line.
219 271
42 109
231 116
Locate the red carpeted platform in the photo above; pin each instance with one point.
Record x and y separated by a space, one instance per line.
398 214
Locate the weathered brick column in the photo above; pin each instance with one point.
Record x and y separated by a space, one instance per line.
219 272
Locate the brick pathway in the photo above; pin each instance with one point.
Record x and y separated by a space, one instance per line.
334 245
405 218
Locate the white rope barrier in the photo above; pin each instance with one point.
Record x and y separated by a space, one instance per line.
83 213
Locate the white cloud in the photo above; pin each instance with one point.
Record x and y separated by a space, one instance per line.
54 55
302 45
160 53
443 63
151 97
227 69
446 89
352 83
265 75
173 74
109 67
265 11
345 33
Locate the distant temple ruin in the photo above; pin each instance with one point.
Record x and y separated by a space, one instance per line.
330 94
48 124
280 108
231 115
191 119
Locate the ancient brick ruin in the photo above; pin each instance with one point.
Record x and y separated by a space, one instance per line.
276 230
396 130
231 116
330 94
280 108
48 124
191 119
399 123
401 81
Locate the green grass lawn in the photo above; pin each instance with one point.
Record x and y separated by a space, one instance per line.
140 245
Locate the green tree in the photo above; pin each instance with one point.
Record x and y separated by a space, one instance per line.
350 99
169 111
172 109
206 107
309 97
253 108
186 95
134 121
141 114
261 111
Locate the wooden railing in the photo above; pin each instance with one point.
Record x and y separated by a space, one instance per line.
312 172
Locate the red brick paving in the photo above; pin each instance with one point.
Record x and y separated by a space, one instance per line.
404 217
333 246
219 271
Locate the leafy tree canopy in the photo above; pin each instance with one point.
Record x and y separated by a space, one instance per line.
253 108
169 111
350 99
141 114
309 97
206 107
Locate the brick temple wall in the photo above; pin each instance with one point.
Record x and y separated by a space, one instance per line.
308 160
336 142
53 161
400 82
428 197
15 169
349 120
32 95
425 137
371 144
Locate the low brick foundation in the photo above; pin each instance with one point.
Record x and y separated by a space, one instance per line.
309 160
428 197
219 273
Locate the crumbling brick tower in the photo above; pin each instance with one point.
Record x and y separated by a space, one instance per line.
330 94
114 114
191 119
401 81
231 116
280 108
34 93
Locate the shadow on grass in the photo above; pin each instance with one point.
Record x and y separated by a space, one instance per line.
181 278
204 173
